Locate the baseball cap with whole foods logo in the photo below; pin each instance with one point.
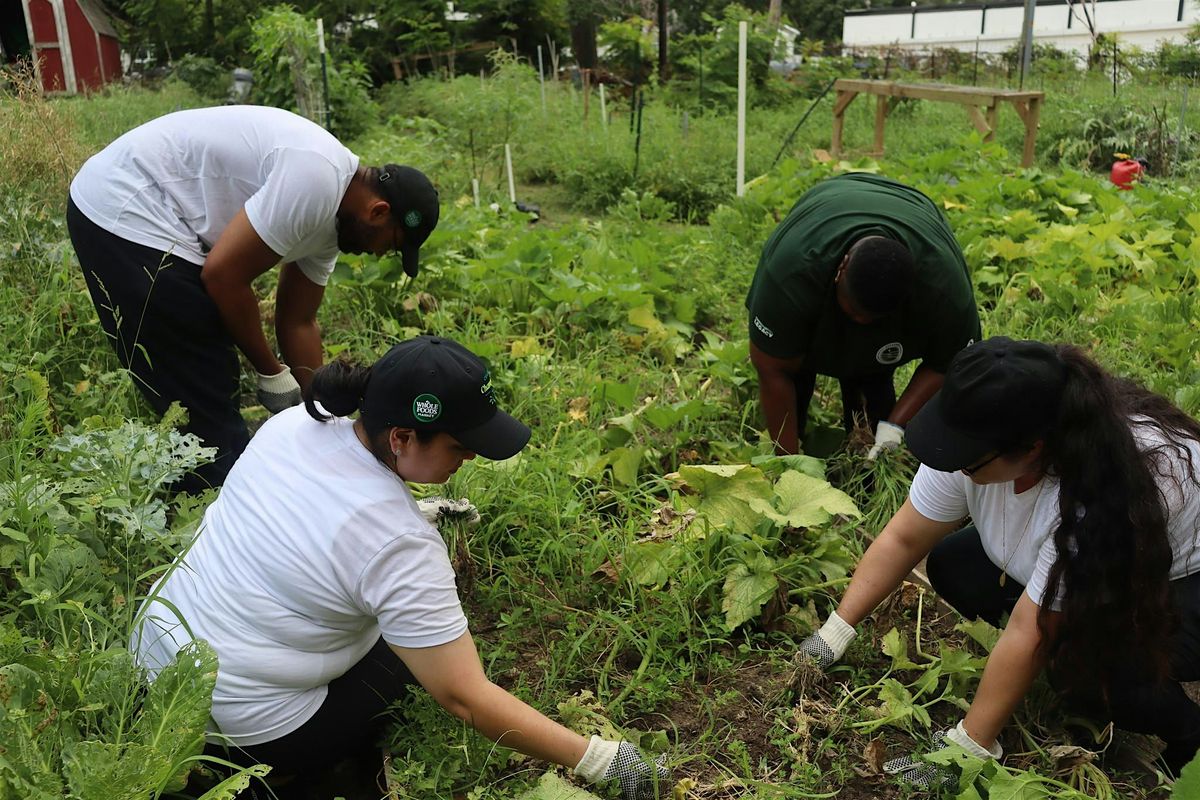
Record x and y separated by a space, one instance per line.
434 384
415 207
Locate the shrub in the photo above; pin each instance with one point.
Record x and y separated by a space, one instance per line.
287 73
204 75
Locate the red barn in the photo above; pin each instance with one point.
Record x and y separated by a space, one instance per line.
73 42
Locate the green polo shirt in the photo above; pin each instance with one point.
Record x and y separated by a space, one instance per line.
792 302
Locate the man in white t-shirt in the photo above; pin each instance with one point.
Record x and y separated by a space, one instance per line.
174 221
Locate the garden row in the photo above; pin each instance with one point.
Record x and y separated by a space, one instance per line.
645 563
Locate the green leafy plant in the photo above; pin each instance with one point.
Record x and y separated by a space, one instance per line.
287 69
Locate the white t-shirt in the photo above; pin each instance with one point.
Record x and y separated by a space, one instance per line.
174 183
311 551
1017 529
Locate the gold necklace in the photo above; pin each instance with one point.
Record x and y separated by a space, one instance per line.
1024 530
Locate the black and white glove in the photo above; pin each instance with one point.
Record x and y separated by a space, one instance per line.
888 436
927 775
278 392
621 761
828 644
437 509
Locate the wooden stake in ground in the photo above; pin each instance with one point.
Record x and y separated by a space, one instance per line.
475 190
324 69
587 92
741 110
542 79
603 108
512 187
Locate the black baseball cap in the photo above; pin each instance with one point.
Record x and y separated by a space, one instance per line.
414 202
999 393
434 384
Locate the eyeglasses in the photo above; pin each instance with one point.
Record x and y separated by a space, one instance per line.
972 470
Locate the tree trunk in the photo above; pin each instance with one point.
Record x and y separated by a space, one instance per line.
662 40
774 13
210 25
583 40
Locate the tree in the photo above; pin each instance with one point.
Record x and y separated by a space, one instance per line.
819 19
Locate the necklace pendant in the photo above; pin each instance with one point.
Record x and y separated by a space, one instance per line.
1003 577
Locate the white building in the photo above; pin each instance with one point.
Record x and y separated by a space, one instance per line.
996 26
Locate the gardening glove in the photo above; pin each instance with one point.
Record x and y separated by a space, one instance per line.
929 776
437 509
620 761
828 644
887 437
278 392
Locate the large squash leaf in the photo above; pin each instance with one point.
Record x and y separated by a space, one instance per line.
747 588
802 501
723 493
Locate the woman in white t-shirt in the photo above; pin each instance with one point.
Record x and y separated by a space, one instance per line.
326 593
1082 490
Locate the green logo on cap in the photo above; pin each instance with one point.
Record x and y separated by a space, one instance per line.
427 408
413 218
486 388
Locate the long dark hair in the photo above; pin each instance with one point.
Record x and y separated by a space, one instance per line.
1114 552
339 387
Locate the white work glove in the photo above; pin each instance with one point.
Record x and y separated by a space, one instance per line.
887 437
927 775
278 392
828 644
436 509
620 761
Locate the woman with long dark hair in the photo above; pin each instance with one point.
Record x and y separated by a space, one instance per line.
1084 502
327 594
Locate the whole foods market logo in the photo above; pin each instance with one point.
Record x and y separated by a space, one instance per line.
412 219
890 353
427 408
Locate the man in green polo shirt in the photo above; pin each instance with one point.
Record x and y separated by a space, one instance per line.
862 276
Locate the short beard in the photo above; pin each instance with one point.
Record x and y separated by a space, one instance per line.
352 233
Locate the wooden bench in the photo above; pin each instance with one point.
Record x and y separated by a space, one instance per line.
982 104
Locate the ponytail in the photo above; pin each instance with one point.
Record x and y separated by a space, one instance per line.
1114 551
339 387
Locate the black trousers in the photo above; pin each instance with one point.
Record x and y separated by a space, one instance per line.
348 724
869 397
963 576
168 333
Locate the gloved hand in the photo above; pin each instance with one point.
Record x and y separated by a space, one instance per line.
436 509
621 761
887 437
278 392
828 644
928 775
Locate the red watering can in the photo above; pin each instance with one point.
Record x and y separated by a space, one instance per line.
1127 170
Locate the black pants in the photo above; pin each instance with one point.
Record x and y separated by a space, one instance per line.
869 397
348 724
963 576
168 333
